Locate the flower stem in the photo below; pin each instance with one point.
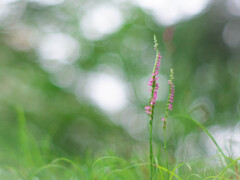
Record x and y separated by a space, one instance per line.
151 149
165 147
152 101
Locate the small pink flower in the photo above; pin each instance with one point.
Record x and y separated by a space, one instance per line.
147 107
148 112
163 119
152 102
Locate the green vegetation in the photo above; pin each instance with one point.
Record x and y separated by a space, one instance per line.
73 78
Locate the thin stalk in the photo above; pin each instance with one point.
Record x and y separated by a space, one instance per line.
151 149
150 131
236 171
152 102
170 95
165 147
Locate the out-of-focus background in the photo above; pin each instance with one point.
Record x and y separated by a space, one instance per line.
79 70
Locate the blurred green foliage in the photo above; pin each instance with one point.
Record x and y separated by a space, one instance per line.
62 122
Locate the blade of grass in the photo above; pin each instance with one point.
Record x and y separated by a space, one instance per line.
164 169
228 166
205 130
23 138
69 161
120 170
108 157
46 167
175 169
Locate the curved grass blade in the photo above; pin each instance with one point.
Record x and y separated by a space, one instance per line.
120 170
53 166
108 157
164 169
205 130
69 161
196 175
175 169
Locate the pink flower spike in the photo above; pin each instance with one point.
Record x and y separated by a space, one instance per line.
157 68
170 108
171 101
156 88
163 119
156 73
170 105
171 97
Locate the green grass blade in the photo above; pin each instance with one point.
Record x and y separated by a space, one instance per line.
205 130
164 169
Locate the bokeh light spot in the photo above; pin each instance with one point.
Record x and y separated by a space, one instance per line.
171 12
107 92
59 47
101 20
